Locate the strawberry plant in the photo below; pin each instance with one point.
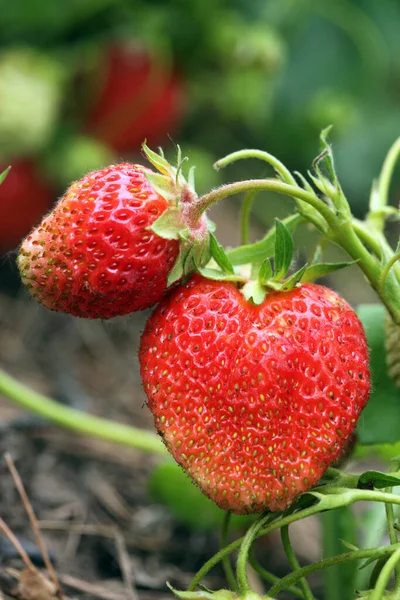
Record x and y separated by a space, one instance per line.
255 375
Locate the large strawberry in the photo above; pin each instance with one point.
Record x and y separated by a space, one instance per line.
137 95
115 241
254 401
24 197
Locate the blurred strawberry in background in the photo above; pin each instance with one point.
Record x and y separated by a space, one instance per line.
24 198
135 94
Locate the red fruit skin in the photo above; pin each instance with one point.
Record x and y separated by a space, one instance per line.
140 99
24 197
254 402
93 256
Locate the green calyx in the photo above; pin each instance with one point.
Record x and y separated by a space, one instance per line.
180 221
251 269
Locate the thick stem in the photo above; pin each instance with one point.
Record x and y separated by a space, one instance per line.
293 562
77 420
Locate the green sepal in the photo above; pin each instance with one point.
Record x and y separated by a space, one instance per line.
217 275
260 251
320 269
204 595
265 272
378 480
158 161
283 250
4 174
326 156
254 291
219 255
294 279
169 225
191 256
329 184
162 185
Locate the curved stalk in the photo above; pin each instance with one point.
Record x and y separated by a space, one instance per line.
293 562
78 421
271 185
384 577
241 568
279 167
226 563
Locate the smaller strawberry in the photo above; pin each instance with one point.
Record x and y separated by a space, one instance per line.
116 241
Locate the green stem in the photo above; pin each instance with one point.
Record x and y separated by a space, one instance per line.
384 576
386 175
293 562
245 547
226 563
279 167
340 497
270 577
78 421
292 578
302 514
245 218
271 185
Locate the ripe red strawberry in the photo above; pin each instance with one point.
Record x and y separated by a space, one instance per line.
139 97
254 401
24 197
96 256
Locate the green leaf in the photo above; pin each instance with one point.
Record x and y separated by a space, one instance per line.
379 480
260 251
219 255
169 485
293 279
380 420
4 174
265 272
169 224
283 250
321 269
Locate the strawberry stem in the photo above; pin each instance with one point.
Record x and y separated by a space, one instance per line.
226 563
242 561
384 576
78 421
294 563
